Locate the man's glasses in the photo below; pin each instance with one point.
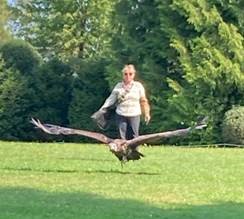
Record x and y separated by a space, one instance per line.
130 74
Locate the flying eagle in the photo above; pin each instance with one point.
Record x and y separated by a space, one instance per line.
124 150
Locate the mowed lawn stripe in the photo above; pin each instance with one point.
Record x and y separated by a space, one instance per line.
65 180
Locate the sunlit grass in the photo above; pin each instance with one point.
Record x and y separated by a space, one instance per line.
60 180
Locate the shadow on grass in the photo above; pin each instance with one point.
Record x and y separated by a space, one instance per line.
86 159
79 171
23 203
122 172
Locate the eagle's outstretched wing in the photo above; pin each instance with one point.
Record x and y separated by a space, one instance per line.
156 136
58 130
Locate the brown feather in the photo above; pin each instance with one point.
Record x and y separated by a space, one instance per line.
150 138
58 130
124 150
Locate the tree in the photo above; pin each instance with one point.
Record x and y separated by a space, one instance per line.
53 83
138 39
88 93
189 54
18 93
16 104
231 11
64 28
210 59
20 55
4 15
31 88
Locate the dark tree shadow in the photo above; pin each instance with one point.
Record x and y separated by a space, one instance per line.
86 159
23 203
121 172
113 171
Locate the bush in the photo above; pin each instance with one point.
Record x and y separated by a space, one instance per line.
18 96
54 88
89 92
20 55
233 126
15 104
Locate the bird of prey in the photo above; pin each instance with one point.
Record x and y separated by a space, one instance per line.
124 150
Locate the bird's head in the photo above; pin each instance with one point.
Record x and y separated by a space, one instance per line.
118 145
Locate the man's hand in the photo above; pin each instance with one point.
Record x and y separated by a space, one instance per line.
147 118
145 108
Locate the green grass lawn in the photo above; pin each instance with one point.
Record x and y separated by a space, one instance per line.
60 180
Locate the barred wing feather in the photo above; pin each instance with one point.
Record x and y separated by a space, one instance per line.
59 130
156 136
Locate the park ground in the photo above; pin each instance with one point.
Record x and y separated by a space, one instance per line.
65 180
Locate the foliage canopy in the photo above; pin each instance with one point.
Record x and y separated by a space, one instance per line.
189 55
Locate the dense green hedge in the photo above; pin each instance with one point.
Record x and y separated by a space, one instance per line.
190 65
53 91
68 93
233 126
20 55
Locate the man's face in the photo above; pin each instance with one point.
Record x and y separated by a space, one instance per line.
128 76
